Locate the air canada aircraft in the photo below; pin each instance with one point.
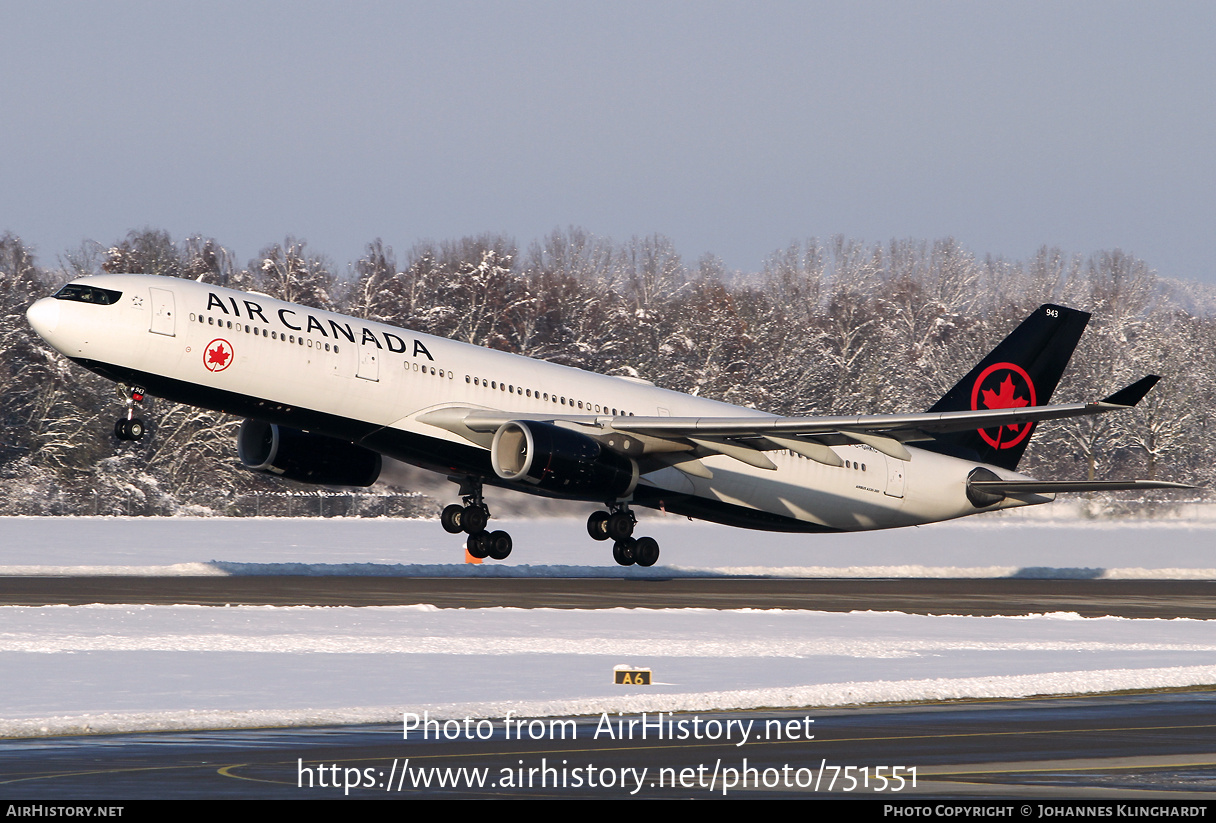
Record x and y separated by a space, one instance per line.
326 397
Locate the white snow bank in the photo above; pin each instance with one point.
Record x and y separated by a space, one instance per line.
120 668
977 547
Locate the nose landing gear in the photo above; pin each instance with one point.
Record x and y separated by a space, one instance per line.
131 427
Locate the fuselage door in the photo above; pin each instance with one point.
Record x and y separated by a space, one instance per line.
895 477
162 312
369 364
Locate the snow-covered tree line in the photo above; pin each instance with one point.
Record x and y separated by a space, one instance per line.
826 327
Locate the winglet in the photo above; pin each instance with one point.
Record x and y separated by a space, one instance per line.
1134 393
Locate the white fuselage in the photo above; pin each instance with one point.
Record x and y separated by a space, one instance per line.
252 355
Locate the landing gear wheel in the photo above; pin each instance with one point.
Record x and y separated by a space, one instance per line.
624 551
620 525
646 551
597 525
132 429
471 517
452 519
474 519
499 545
479 545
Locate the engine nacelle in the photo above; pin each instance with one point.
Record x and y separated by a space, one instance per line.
305 457
560 460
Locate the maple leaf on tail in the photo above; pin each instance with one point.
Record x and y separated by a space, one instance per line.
1004 399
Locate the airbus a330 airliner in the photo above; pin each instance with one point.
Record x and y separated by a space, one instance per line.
325 396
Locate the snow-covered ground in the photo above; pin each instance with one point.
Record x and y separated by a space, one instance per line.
102 668
1048 541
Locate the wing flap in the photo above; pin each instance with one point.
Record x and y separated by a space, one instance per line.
686 463
887 445
744 454
811 449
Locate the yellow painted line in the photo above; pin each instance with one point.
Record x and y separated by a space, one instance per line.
1099 764
226 771
94 772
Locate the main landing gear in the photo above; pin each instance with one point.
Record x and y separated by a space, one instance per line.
617 524
131 427
472 518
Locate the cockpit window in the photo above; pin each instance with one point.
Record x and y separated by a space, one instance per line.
88 294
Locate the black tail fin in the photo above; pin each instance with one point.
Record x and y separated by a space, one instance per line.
1022 371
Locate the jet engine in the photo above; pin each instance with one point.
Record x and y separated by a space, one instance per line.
305 457
560 460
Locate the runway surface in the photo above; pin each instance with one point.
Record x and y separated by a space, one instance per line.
1122 746
1089 598
1110 747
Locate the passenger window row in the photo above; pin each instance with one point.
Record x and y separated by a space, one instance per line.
511 388
258 331
425 369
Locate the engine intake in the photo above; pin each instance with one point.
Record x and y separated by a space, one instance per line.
305 457
560 460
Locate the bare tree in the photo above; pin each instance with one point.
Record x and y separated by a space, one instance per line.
205 260
147 251
287 271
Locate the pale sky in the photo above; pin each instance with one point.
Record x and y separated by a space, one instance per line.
732 128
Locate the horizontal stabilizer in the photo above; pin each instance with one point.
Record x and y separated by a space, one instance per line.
1060 486
1134 393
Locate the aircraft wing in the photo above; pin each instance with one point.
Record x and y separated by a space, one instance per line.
916 426
745 438
901 427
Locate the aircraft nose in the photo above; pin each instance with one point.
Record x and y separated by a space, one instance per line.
44 316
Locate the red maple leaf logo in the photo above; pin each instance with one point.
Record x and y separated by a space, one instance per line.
1015 391
1004 399
217 356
